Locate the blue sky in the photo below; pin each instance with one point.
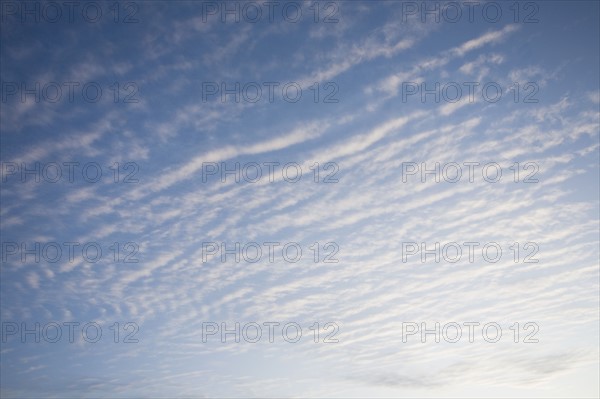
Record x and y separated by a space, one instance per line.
165 131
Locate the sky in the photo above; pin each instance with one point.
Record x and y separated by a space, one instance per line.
299 199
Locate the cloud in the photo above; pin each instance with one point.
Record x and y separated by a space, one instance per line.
296 136
488 38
